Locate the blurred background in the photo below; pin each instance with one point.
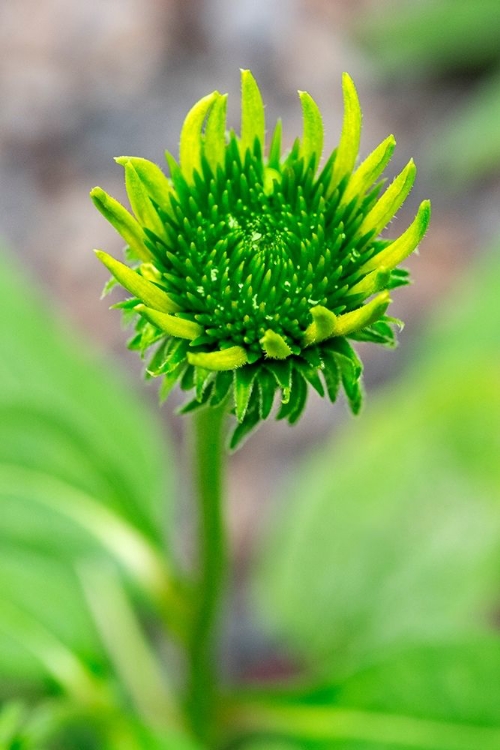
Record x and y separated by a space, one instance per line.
82 82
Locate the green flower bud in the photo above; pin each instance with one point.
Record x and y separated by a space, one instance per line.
255 269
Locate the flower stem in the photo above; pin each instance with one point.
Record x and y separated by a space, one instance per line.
208 468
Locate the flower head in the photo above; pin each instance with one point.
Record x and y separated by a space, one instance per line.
253 269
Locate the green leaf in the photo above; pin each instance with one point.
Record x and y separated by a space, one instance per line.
414 39
429 697
402 508
243 386
244 428
75 444
292 408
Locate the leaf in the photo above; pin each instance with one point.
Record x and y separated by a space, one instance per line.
243 385
80 458
415 39
392 532
431 697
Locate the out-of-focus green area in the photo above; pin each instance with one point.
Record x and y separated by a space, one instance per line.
85 495
382 568
438 42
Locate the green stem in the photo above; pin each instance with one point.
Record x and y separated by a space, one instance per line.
208 464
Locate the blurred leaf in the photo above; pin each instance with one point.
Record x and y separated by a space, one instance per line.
426 698
63 412
82 476
416 38
391 534
469 145
425 39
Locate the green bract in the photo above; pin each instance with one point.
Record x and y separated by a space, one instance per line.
254 270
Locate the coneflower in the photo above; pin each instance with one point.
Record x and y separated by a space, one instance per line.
252 269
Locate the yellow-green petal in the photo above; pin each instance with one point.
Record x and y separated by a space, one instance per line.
253 123
124 223
322 327
350 137
141 202
171 324
372 167
401 248
147 292
225 359
191 142
363 316
275 346
391 201
372 282
215 133
155 182
313 131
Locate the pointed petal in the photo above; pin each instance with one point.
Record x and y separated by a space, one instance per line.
363 316
372 282
313 132
149 293
390 202
226 359
252 113
350 137
215 133
190 147
275 346
372 167
155 182
141 202
401 248
124 223
275 147
322 327
174 326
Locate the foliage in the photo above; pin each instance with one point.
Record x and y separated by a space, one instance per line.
429 39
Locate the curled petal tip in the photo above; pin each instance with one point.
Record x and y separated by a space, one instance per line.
274 345
322 327
225 359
